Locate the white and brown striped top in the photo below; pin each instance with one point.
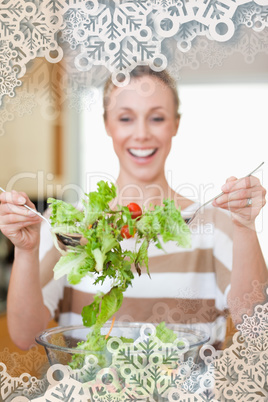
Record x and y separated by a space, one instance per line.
187 286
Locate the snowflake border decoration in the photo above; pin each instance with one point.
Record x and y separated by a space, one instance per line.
149 368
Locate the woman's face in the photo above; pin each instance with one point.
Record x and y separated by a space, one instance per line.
141 120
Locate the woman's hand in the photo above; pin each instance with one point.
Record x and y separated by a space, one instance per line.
244 198
20 225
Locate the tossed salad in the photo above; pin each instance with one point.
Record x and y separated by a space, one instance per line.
100 253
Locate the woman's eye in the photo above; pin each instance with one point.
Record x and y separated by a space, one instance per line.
158 118
124 118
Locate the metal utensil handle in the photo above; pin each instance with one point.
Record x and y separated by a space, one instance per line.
31 209
253 171
217 196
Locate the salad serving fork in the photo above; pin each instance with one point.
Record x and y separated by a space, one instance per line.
67 239
190 219
33 210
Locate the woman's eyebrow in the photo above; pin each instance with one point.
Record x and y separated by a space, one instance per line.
157 107
153 108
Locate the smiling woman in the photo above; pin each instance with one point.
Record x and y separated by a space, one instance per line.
142 118
193 287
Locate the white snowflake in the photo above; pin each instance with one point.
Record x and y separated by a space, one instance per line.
8 81
214 54
253 326
249 43
23 103
119 34
82 99
246 14
257 349
5 116
6 52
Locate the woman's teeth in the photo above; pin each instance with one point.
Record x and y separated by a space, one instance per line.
142 153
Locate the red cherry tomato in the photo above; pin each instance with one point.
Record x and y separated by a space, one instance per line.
125 232
135 210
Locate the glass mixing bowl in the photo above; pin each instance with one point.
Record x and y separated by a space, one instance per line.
61 343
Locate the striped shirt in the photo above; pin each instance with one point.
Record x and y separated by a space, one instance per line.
187 286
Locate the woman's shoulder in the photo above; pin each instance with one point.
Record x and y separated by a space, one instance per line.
181 202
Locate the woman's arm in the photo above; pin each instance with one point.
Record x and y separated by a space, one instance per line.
248 262
26 312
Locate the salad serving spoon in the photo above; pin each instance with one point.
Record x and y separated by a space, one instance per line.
67 239
190 219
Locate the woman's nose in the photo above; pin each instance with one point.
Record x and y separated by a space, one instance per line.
142 131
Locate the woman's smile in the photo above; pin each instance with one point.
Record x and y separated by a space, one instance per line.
142 155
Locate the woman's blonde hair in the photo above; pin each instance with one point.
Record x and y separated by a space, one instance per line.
141 71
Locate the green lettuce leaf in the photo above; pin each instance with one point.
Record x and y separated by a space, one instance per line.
99 258
102 254
108 243
166 335
89 313
111 302
173 226
81 269
149 224
95 343
64 213
98 201
69 262
142 257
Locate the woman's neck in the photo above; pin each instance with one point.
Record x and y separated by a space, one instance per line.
144 193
